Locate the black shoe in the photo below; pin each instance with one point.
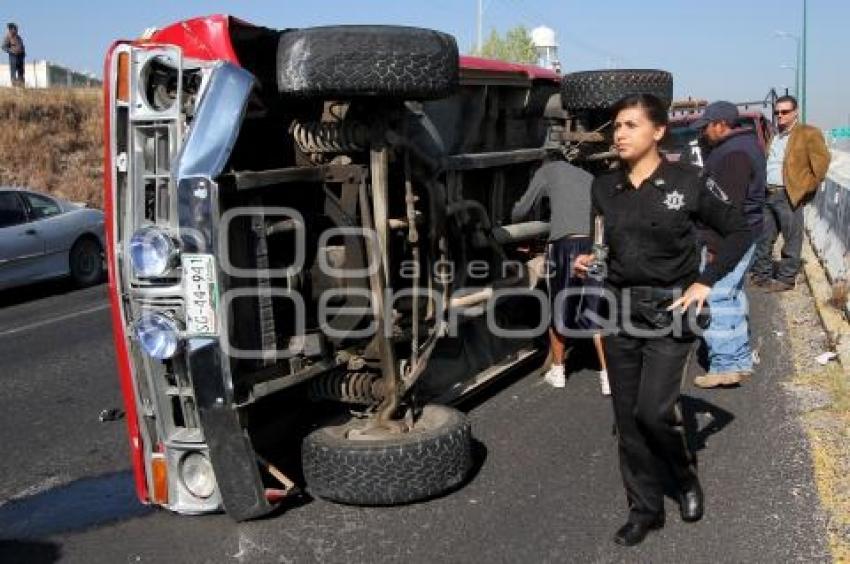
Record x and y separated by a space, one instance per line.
633 532
691 503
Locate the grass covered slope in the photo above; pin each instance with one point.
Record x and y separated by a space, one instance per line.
51 141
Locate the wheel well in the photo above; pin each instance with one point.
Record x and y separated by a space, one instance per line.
85 237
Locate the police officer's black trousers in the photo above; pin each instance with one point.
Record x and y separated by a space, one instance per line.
646 377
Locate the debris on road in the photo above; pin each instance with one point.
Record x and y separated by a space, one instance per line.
823 359
112 414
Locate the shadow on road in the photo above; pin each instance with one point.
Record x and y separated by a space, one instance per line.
703 419
80 505
29 552
35 292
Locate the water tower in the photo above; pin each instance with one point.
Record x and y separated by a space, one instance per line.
546 47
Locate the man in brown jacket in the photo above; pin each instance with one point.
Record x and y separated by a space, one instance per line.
797 161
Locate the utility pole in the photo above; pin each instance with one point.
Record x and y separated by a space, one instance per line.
479 22
803 66
798 47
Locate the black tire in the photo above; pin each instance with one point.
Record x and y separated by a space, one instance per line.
86 262
367 60
601 89
396 469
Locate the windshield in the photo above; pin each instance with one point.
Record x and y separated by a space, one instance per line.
682 144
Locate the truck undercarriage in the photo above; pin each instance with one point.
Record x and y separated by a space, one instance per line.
311 258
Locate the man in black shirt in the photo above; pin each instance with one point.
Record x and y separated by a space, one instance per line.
737 163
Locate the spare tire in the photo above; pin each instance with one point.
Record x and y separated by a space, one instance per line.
601 89
367 60
431 459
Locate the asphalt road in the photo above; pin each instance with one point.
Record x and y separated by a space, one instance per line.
547 488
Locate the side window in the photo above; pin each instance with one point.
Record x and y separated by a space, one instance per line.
11 210
42 206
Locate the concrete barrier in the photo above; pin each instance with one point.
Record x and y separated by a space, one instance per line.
827 220
44 74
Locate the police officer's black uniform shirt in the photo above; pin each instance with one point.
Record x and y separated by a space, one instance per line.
651 230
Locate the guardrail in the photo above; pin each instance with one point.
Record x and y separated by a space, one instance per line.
827 220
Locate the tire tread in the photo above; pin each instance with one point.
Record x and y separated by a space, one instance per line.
601 89
352 61
420 467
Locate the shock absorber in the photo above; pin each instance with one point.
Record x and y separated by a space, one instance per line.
361 388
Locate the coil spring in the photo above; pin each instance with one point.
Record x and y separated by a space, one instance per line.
330 137
361 388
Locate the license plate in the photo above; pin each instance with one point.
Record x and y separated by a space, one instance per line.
199 290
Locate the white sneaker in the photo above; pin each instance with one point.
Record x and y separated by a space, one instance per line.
555 376
603 383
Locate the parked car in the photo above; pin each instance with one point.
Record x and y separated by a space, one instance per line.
44 237
683 141
312 253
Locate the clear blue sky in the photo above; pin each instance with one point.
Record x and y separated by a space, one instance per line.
714 48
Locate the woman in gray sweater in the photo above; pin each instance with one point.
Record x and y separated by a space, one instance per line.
567 188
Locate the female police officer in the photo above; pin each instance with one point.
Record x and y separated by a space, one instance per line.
649 209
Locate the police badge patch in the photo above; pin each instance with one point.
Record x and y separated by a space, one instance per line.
674 200
716 190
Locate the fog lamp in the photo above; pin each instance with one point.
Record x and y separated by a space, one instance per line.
152 252
159 336
197 475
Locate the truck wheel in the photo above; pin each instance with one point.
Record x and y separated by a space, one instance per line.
367 60
431 459
601 89
86 262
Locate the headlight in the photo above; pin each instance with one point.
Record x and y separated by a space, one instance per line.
152 252
158 335
197 475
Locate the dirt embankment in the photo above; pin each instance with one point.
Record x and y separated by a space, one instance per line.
51 141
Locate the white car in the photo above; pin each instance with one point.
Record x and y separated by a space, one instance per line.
43 237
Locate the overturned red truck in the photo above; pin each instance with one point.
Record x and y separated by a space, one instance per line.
310 252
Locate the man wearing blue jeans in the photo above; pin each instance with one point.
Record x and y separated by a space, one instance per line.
736 173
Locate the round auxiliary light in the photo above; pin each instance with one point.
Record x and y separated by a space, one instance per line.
152 252
158 335
197 475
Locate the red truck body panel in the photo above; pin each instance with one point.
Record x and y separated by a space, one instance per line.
122 357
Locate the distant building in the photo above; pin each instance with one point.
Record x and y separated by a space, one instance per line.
546 47
44 74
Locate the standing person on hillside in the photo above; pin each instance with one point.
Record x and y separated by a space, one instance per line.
650 210
13 44
737 163
567 188
797 162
